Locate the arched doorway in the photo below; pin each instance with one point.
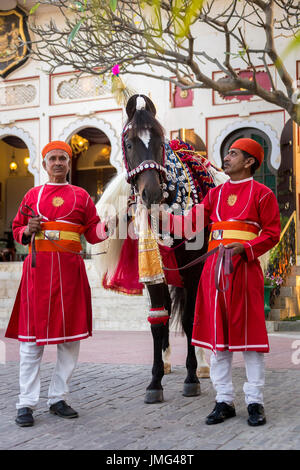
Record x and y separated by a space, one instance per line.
266 173
91 167
15 181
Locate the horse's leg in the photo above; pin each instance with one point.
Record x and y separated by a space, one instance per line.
191 385
203 370
159 328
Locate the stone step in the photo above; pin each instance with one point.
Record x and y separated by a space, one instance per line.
8 288
295 271
4 317
288 291
292 281
290 303
10 275
6 303
278 313
275 326
110 310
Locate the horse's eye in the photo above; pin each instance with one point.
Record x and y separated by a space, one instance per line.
128 146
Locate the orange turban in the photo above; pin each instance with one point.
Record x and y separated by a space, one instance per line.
57 145
250 146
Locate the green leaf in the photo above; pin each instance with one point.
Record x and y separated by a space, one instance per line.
113 4
74 31
80 6
294 44
34 8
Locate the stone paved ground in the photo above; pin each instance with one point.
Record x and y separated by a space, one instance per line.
109 398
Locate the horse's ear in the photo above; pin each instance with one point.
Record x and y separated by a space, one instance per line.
131 106
149 105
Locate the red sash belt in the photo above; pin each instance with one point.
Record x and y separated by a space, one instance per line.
226 232
58 236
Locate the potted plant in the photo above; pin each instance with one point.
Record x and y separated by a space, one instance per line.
271 282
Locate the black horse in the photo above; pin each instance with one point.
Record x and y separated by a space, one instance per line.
145 159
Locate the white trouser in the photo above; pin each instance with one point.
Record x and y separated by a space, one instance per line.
30 361
221 376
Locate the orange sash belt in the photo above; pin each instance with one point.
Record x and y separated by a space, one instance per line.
226 232
58 236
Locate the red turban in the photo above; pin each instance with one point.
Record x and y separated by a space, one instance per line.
250 146
57 145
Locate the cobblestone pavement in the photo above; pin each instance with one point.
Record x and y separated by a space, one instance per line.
109 399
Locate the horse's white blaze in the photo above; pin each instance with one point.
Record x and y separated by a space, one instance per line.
145 137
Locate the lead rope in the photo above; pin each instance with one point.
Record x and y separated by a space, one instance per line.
224 258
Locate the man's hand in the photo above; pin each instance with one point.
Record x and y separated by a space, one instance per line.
238 248
34 226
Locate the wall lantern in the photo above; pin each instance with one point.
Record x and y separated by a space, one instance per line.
13 167
105 151
79 144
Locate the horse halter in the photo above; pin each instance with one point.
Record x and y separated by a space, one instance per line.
143 166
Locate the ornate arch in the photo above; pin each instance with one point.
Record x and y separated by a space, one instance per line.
275 157
102 125
27 139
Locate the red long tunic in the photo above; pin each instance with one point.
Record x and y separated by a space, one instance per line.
53 303
234 320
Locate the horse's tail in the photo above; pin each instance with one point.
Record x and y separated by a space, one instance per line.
178 300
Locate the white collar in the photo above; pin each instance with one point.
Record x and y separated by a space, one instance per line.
241 181
57 184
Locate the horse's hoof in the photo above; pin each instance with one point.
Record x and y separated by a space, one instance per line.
191 390
203 372
154 396
167 368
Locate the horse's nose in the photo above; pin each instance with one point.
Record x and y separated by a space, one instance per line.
151 196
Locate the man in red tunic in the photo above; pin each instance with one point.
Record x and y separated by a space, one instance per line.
53 303
243 215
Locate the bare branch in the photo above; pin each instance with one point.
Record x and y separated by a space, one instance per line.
133 36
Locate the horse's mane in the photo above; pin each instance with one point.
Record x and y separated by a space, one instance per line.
113 202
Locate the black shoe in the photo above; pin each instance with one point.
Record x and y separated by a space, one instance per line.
63 410
256 414
24 417
220 412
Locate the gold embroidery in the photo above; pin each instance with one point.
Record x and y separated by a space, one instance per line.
232 199
57 201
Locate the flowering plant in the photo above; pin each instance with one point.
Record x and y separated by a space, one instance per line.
272 280
116 70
